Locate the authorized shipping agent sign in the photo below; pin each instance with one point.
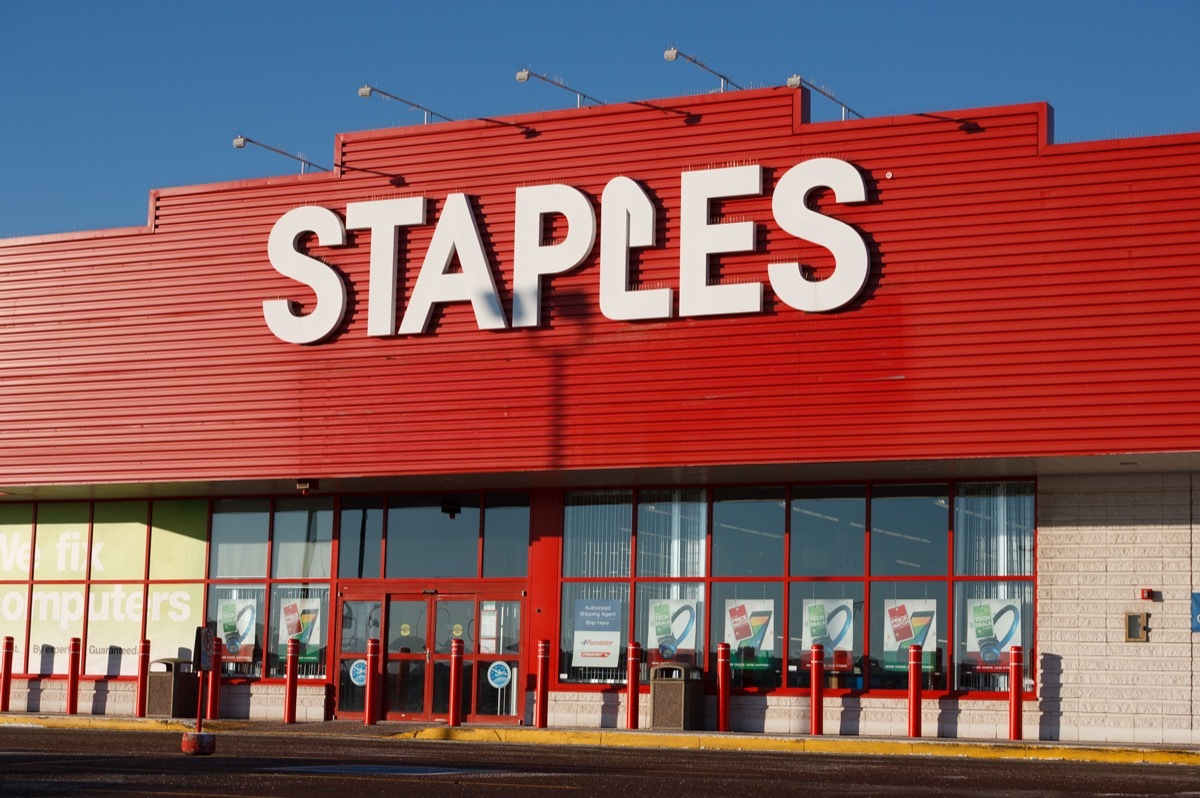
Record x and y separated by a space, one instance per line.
597 633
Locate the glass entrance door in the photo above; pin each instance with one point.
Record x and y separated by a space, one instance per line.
417 631
359 620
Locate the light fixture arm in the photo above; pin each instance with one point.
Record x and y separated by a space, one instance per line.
368 90
239 142
525 74
674 52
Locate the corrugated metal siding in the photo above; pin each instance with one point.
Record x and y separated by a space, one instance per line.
1025 300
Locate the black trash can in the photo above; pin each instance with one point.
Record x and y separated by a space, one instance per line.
676 696
174 691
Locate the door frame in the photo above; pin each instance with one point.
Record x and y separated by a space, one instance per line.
477 660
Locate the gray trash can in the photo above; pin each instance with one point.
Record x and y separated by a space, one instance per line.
676 696
174 691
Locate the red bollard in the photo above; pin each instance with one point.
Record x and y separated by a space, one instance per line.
73 651
371 699
212 710
456 677
816 690
143 679
291 680
914 691
724 684
541 712
1016 684
633 690
6 660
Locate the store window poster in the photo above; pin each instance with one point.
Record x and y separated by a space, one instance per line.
750 632
302 622
907 623
993 628
672 625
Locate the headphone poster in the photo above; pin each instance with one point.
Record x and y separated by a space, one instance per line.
673 624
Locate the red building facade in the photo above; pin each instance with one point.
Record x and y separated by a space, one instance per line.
675 328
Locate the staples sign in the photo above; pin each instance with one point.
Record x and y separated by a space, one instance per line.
627 221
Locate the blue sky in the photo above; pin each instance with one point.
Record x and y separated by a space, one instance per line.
100 102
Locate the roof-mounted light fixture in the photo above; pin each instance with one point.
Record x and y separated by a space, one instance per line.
524 75
240 142
673 53
368 90
795 82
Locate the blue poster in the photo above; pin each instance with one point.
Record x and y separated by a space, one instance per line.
1196 612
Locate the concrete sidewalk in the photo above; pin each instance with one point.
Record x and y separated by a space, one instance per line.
523 735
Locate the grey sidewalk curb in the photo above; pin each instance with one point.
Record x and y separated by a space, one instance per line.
983 749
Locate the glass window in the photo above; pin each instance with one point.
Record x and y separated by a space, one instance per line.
235 613
62 540
16 542
114 629
239 538
909 529
360 540
119 540
55 617
301 613
829 614
746 616
993 529
506 535
433 537
500 627
173 611
829 526
671 534
594 628
303 537
748 526
670 618
991 618
178 536
597 531
906 614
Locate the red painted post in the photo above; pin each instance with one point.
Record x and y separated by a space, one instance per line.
633 673
724 684
143 679
291 680
541 713
1016 684
914 691
6 660
456 677
371 699
816 688
213 709
73 651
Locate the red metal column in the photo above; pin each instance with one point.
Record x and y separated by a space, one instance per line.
371 699
541 688
291 680
73 651
6 660
456 677
213 710
724 683
633 672
1016 684
914 691
816 690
